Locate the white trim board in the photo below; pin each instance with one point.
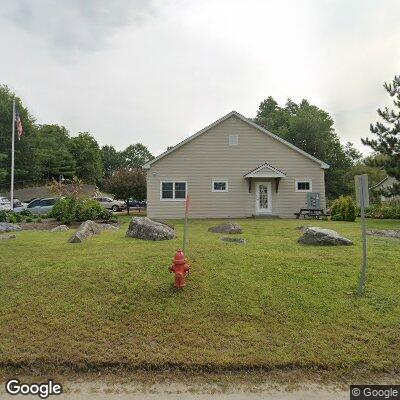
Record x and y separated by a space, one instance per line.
244 119
303 180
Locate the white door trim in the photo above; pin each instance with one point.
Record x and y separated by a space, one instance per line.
263 210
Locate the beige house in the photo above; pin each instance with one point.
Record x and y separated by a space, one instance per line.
233 168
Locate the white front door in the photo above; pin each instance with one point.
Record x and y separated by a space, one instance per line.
263 198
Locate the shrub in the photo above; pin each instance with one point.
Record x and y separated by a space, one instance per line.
25 213
10 216
71 209
39 220
88 209
29 219
344 209
64 210
386 210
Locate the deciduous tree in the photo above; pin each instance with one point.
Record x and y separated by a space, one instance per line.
127 183
87 155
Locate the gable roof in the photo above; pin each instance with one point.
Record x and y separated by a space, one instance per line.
246 120
265 171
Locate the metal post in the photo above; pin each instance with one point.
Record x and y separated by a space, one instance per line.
185 226
12 157
363 274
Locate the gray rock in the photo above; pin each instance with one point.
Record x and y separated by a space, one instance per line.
147 229
6 237
60 228
237 240
8 227
226 227
323 237
85 230
384 233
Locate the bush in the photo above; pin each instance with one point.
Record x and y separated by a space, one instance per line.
88 209
10 216
71 209
386 210
29 219
64 210
25 213
39 220
344 209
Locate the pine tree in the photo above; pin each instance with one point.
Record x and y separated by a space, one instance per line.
387 142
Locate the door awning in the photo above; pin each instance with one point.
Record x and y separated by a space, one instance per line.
265 171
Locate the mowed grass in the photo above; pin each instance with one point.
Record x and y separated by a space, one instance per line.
271 303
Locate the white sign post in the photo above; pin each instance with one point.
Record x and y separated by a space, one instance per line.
362 195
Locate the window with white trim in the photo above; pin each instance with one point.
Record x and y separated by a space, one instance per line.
173 190
303 185
233 140
219 186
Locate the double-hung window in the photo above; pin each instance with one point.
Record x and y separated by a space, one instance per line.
173 190
303 185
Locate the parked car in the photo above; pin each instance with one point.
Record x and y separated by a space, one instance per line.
26 206
42 206
110 204
137 203
5 204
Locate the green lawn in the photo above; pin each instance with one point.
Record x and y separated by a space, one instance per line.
270 303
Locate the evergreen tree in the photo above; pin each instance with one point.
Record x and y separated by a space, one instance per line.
387 142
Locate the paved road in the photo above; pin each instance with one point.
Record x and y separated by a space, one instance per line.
101 391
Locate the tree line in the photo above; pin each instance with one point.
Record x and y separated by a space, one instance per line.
48 151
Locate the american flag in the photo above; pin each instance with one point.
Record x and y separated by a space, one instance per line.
20 130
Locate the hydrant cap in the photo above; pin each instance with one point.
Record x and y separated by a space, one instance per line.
179 257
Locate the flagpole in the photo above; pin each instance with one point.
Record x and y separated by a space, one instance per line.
12 158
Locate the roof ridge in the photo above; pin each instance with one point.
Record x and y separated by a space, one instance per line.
244 119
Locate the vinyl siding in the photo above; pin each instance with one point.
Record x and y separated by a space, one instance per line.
209 157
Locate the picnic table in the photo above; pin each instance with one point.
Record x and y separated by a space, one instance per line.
312 213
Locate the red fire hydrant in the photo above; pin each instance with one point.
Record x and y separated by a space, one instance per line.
180 268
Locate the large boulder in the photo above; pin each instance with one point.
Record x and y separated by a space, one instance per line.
60 228
226 227
85 230
323 237
8 227
147 229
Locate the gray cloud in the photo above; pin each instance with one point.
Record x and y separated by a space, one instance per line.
158 71
76 24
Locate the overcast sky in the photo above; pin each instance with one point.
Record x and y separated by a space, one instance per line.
157 71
